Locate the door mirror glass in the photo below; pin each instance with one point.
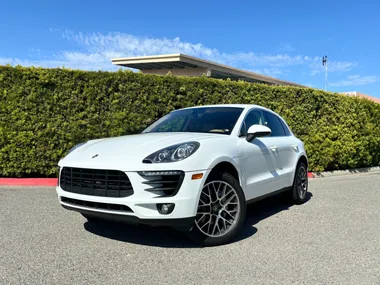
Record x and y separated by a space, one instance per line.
257 131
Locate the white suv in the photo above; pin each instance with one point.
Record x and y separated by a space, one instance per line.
195 169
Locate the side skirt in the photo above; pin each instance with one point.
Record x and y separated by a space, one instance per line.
268 195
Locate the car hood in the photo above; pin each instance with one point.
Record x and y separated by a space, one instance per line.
128 150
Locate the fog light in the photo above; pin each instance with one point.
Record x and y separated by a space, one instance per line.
165 209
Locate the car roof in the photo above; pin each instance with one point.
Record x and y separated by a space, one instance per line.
244 106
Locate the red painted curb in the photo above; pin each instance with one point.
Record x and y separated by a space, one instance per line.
29 181
50 181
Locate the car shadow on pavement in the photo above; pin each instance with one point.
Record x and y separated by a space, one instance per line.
263 209
169 238
140 234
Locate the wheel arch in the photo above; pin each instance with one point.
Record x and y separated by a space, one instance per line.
303 159
225 166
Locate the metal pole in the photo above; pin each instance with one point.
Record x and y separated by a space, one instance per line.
324 63
326 76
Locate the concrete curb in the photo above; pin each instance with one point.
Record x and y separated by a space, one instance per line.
344 172
54 181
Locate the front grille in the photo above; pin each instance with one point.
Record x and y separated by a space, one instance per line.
95 182
96 205
163 183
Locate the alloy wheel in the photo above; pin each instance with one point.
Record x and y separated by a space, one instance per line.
302 182
218 209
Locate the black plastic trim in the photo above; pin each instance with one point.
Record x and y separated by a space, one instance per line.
95 182
183 224
269 195
157 181
97 205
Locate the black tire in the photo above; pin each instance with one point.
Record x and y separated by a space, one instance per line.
200 237
300 184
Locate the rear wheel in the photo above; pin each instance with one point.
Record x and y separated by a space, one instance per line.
221 211
300 184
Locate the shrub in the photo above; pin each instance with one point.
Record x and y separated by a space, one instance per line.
44 112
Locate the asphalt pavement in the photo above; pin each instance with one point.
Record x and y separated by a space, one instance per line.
334 238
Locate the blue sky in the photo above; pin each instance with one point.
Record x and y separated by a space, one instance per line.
284 39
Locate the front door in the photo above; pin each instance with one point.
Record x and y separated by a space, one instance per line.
260 162
259 168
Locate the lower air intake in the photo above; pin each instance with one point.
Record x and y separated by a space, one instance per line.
97 205
163 183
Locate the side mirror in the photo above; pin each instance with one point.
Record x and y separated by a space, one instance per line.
257 131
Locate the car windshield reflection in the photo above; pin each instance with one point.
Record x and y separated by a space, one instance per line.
218 120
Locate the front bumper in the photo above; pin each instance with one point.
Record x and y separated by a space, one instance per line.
143 204
182 224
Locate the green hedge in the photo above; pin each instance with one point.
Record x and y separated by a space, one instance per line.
44 112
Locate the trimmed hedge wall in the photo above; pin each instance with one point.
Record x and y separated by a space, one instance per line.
44 112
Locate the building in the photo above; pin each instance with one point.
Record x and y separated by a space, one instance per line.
361 95
184 65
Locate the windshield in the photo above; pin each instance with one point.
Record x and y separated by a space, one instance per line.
219 120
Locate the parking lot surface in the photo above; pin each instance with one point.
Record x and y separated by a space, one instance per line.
334 238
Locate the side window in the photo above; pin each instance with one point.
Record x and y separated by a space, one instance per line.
274 123
254 117
286 129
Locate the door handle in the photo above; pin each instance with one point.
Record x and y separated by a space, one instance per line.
273 148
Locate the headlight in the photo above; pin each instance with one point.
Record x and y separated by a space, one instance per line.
173 153
75 147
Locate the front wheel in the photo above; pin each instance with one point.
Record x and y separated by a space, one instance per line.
221 211
300 184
